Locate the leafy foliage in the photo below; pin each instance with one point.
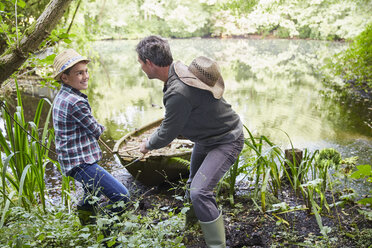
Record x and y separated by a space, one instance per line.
316 19
364 172
239 7
17 22
58 227
355 64
327 158
181 161
54 228
24 167
16 17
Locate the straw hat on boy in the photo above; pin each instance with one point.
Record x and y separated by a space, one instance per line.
203 73
65 60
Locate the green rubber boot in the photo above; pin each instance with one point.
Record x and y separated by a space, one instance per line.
214 232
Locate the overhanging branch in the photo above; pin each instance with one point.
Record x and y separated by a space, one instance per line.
14 57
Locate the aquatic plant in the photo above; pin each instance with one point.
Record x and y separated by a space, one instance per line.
327 158
265 165
26 155
272 167
240 167
310 188
297 166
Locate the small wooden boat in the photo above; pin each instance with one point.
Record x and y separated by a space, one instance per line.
157 166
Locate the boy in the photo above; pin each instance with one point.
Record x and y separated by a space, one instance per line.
77 133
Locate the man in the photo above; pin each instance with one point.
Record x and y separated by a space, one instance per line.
195 109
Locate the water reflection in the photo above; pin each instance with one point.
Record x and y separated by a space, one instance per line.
273 84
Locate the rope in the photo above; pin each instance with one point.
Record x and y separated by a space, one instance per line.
105 145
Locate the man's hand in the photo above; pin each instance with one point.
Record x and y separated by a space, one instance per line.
143 147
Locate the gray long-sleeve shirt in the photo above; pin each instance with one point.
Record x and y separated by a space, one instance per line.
195 114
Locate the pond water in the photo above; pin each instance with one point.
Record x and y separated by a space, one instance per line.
274 85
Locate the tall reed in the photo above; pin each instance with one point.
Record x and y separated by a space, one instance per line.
270 166
23 170
268 156
233 173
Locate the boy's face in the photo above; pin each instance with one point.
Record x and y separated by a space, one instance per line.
78 76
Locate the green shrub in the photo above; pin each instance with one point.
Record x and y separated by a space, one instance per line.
355 64
282 32
54 228
304 32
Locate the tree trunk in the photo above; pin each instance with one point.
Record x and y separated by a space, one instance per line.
14 57
294 156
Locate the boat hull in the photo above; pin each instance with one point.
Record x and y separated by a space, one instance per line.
158 168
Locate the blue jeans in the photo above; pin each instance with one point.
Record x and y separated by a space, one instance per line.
208 165
96 181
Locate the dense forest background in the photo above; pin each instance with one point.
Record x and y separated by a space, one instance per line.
130 19
315 19
85 21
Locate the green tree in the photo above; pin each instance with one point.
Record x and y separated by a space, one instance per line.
17 52
238 7
16 17
354 65
134 19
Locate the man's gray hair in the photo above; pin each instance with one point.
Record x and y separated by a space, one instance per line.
156 49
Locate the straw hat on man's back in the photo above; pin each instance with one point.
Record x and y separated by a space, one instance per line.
65 60
202 73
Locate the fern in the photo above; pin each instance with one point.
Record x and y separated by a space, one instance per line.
179 160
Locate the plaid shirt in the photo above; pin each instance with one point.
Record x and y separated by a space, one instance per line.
76 130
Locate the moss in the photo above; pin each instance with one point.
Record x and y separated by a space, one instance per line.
30 29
